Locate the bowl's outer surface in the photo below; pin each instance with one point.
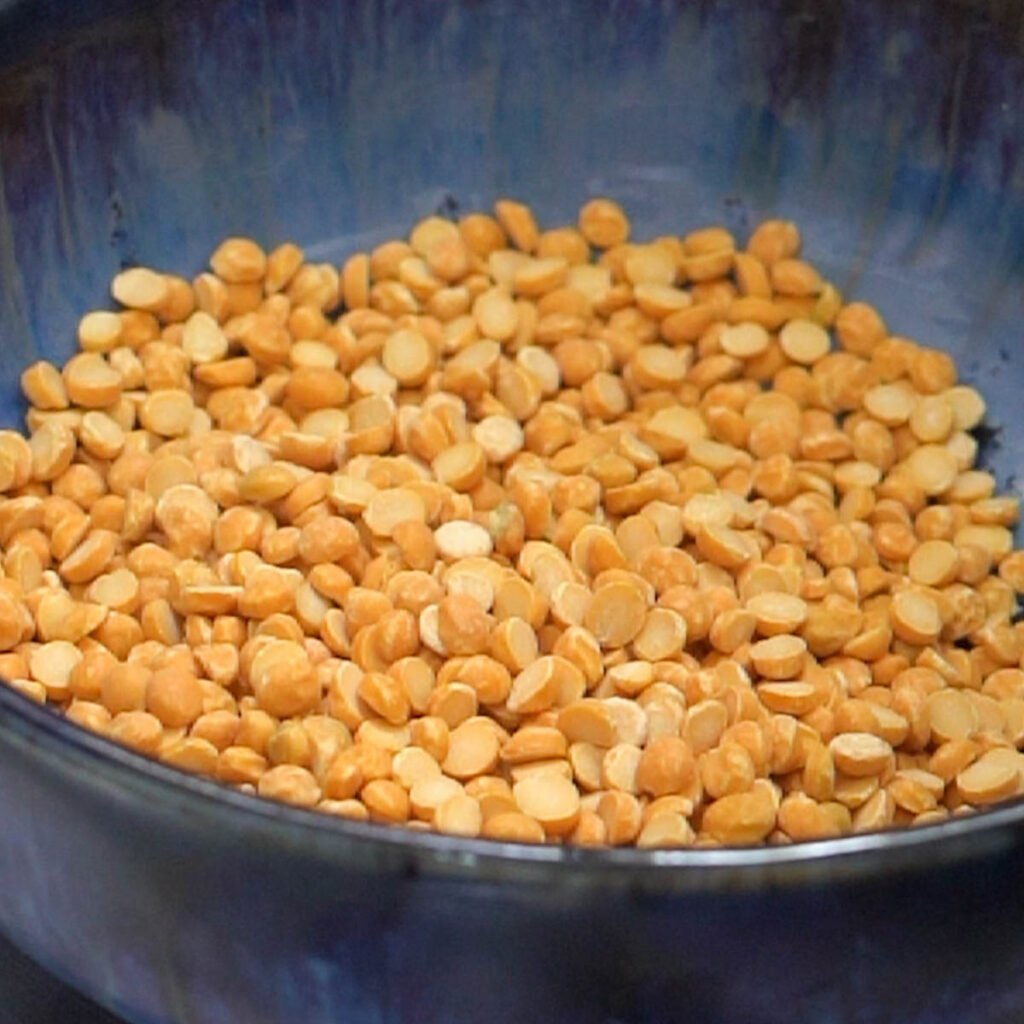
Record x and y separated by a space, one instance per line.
146 132
172 904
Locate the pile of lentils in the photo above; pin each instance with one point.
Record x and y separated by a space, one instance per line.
539 536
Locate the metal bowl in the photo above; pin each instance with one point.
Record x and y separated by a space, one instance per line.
146 132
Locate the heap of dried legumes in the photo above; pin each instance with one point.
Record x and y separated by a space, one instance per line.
530 535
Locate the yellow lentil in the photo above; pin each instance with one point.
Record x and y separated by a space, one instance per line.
483 533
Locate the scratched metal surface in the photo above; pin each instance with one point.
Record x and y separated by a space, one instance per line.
145 132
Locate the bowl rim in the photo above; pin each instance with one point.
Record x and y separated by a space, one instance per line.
51 735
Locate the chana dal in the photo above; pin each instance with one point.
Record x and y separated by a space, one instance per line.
539 535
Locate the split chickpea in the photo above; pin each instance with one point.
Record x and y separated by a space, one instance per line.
544 536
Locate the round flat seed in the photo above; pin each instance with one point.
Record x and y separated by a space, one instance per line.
100 331
500 437
616 614
776 612
202 339
408 357
853 474
860 753
461 466
140 288
891 404
723 546
557 768
167 413
915 617
650 264
932 419
535 277
268 483
91 381
659 300
90 557
967 405
933 563
473 749
496 314
167 471
387 509
619 767
550 799
536 688
952 716
670 430
239 261
513 827
740 818
588 721
996 540
789 698
933 467
430 792
459 815
460 538
603 223
706 510
44 387
996 775
411 764
715 456
534 743
662 637
779 657
665 831
52 664
100 435
804 341
745 340
658 366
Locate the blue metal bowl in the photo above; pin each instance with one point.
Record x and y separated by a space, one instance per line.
146 132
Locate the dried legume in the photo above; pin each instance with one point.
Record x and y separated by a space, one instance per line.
534 535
